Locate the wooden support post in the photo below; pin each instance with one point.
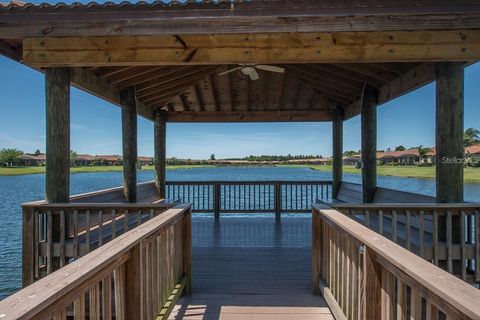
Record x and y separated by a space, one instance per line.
316 250
57 178
129 135
160 136
278 201
337 154
369 143
449 131
28 245
187 251
57 94
370 300
449 146
217 200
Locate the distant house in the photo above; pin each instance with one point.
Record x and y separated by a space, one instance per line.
314 161
352 160
84 160
429 157
405 157
472 155
145 161
32 160
108 160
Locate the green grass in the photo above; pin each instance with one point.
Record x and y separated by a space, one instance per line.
35 170
470 174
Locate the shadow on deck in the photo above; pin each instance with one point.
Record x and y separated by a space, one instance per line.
251 268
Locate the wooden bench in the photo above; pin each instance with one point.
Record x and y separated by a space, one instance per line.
352 193
146 193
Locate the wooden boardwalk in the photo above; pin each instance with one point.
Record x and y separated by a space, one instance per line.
251 268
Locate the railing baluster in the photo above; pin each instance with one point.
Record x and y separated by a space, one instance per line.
49 242
62 238
462 246
477 245
114 223
449 241
408 229
100 227
76 251
87 234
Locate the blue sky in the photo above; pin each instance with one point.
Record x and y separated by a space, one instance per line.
96 124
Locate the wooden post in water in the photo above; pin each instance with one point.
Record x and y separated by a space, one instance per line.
337 154
449 147
369 143
57 178
129 136
160 136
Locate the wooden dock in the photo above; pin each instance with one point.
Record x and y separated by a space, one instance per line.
251 268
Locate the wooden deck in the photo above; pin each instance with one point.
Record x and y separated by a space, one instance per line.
251 268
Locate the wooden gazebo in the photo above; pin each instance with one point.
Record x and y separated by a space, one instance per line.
165 62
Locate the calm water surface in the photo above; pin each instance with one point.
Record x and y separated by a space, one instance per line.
18 189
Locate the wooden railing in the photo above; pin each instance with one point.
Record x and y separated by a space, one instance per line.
57 234
249 196
448 235
363 275
137 275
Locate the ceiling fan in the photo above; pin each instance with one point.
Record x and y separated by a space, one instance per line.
251 70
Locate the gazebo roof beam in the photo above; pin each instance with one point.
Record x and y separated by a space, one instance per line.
272 48
244 16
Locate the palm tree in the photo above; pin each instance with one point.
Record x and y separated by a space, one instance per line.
470 137
9 156
73 157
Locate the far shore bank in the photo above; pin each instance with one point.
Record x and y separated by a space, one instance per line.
470 174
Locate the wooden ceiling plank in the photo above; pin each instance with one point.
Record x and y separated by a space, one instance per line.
153 73
131 73
333 78
325 82
222 89
397 68
347 74
181 83
328 94
249 116
171 77
110 71
199 97
344 47
368 70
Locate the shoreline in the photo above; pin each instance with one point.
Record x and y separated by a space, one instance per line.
471 175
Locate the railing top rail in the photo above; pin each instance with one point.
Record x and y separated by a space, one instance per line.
52 289
209 182
431 206
436 282
120 205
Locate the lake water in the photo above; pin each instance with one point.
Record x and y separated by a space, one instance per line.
15 190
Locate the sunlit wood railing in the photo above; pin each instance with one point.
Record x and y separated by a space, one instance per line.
249 196
445 234
137 275
57 234
363 275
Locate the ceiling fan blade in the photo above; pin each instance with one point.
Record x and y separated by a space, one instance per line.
270 68
229 71
251 72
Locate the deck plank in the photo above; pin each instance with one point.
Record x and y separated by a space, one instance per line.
251 268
